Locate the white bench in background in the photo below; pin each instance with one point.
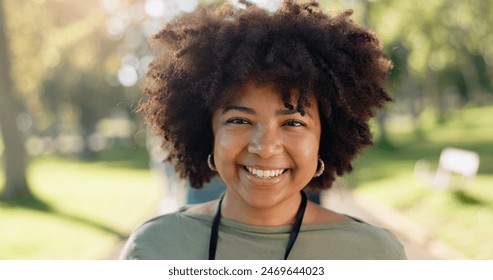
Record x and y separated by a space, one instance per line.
453 163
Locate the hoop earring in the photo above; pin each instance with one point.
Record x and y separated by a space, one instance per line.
320 168
209 162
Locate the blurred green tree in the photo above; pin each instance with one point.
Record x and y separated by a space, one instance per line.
54 56
442 51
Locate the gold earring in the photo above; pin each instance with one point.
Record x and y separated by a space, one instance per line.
320 168
209 162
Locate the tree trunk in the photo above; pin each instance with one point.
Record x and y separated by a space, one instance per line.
15 161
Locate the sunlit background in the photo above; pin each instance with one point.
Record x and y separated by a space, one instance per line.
69 85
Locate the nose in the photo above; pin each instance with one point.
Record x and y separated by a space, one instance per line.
265 142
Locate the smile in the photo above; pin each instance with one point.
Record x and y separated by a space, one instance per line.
265 174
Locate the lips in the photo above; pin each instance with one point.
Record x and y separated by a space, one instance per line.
264 174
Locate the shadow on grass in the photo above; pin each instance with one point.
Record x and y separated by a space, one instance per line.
467 199
34 203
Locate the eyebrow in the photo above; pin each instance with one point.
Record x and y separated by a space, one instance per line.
251 111
239 108
284 112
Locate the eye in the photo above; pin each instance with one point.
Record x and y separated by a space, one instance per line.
237 121
294 123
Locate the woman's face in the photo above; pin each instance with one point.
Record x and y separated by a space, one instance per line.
264 152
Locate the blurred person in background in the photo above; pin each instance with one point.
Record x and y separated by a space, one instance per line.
274 103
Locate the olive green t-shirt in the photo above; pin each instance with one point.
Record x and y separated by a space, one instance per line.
185 236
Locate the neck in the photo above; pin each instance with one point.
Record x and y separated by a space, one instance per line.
282 213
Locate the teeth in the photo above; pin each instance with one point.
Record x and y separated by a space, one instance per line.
265 174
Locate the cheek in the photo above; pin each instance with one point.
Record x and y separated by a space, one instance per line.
222 141
226 146
305 151
305 145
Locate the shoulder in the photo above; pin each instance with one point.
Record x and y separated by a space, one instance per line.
374 236
177 235
207 208
315 214
163 222
186 216
374 242
352 240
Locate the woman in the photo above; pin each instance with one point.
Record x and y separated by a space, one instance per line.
273 103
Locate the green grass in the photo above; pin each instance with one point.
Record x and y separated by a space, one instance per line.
82 210
462 215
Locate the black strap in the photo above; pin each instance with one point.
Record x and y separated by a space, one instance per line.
292 236
215 230
297 225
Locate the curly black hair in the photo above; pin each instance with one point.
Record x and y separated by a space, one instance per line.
204 56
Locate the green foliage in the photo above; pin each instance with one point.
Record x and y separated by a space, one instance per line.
37 49
462 215
81 210
442 50
62 65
